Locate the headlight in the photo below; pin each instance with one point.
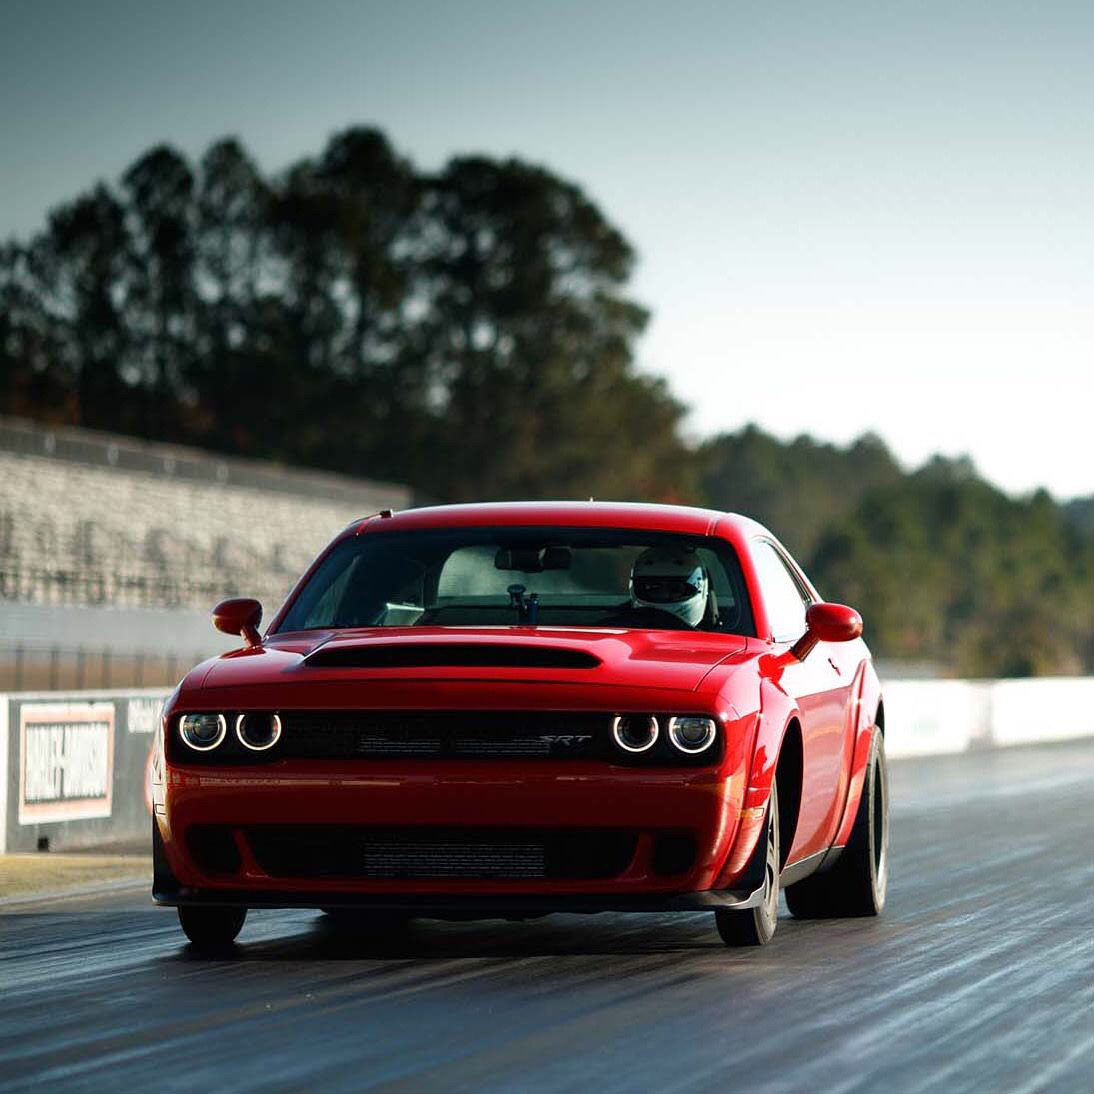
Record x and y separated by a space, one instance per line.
692 734
203 732
635 732
258 731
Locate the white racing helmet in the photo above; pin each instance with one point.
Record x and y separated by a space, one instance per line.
671 579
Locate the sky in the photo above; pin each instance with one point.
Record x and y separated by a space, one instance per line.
851 216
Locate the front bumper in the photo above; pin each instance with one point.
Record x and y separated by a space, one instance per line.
701 806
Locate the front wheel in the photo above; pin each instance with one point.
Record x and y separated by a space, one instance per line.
756 926
212 928
857 883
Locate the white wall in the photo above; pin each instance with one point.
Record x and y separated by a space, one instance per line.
933 717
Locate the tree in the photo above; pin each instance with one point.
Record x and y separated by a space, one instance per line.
161 303
526 343
797 488
86 253
947 568
231 262
33 383
345 225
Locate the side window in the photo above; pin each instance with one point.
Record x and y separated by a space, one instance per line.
784 598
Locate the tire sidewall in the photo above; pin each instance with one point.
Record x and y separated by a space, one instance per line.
875 803
767 914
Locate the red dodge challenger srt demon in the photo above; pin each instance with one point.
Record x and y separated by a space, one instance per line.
514 709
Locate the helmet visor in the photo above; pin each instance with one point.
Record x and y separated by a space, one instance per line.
664 590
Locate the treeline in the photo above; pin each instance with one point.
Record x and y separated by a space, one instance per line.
468 332
945 567
464 331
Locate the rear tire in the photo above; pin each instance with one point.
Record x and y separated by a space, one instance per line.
756 926
857 882
211 928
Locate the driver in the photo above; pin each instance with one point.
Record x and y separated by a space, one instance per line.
673 580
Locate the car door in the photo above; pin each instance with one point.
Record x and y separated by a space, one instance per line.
821 690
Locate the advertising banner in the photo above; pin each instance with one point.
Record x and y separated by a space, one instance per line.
66 769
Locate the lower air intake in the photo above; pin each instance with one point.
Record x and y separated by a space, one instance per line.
403 859
311 851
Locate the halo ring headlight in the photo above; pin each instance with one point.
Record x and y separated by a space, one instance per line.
271 737
692 733
203 732
635 732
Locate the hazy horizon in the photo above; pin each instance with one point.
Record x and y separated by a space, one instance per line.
848 218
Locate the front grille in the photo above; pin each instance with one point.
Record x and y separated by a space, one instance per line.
323 851
444 735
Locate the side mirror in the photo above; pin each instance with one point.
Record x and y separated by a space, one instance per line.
827 623
241 616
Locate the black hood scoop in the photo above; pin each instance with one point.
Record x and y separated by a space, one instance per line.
413 655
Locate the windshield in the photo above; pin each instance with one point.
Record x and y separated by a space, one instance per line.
550 577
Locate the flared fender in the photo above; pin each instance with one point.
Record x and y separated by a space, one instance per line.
865 707
777 711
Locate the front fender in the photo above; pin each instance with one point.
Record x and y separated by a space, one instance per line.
867 703
777 711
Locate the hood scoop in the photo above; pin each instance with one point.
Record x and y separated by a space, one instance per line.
413 655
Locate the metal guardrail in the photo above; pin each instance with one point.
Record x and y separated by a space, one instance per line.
53 667
93 586
95 449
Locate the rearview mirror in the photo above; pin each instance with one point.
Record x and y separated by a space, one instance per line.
533 560
241 616
827 623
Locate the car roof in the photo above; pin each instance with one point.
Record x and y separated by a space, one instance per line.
684 519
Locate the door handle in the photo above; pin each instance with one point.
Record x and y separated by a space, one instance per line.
835 666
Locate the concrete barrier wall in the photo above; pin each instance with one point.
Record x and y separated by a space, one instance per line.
933 717
74 767
1028 710
928 717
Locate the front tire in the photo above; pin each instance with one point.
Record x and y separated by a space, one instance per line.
756 926
856 885
211 928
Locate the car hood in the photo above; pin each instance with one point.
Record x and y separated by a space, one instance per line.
674 660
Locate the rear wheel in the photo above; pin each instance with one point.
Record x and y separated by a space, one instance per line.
856 884
211 928
755 926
